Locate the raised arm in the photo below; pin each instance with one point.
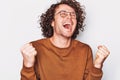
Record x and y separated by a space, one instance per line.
28 53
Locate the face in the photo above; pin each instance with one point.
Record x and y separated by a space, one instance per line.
64 22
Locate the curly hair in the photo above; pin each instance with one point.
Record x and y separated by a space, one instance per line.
47 18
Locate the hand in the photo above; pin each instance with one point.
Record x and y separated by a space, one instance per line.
101 54
28 53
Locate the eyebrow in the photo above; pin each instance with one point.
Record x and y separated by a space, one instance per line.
60 11
64 11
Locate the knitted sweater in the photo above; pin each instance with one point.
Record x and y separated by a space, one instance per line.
52 63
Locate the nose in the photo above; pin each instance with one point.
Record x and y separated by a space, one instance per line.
69 15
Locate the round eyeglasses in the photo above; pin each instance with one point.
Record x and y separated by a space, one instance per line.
64 14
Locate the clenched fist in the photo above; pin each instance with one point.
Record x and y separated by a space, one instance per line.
28 53
101 54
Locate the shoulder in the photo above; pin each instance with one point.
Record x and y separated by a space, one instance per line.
83 47
80 44
39 42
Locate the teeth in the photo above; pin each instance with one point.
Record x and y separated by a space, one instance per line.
67 26
67 23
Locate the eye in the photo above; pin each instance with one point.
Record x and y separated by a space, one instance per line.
63 14
73 14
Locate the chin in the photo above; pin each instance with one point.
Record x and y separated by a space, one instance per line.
68 36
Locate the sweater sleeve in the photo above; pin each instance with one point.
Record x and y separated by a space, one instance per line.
28 73
92 73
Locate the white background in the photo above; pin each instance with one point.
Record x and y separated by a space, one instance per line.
19 25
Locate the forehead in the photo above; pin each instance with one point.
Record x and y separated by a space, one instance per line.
64 7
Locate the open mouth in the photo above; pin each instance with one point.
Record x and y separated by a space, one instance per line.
67 26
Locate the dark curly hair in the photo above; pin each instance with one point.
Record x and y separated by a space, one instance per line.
47 18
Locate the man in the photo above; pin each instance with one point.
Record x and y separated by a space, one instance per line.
59 56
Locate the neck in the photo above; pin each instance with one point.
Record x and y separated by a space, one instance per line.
60 42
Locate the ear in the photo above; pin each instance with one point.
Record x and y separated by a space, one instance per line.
52 24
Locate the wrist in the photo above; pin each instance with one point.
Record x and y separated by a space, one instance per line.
28 65
96 65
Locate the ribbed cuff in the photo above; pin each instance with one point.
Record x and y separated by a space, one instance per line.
28 69
97 72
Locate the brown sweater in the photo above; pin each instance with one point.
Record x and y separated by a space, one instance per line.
52 63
